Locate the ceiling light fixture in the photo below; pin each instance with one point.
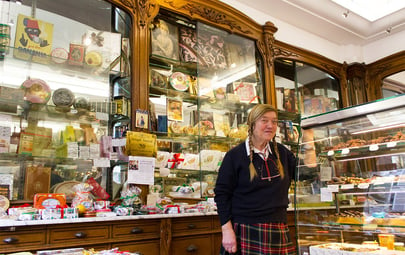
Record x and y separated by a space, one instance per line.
345 14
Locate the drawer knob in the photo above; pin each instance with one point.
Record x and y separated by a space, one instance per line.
191 248
80 235
10 240
191 226
137 230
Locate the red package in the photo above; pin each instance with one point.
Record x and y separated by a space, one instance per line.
97 190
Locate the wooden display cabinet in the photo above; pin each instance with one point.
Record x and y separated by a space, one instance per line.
197 234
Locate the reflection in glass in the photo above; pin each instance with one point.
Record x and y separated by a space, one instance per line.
393 85
304 89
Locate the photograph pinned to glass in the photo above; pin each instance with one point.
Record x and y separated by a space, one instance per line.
141 118
174 110
159 78
246 92
165 40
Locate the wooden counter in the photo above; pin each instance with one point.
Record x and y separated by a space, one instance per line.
158 234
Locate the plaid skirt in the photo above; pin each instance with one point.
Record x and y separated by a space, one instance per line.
261 239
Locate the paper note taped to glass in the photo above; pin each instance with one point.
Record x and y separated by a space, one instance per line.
141 144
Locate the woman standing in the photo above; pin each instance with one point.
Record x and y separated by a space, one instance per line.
251 191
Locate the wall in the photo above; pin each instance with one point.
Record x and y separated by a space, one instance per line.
341 53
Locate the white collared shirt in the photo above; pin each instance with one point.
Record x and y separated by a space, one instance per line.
264 153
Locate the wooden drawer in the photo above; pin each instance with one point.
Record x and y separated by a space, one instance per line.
196 245
141 248
216 224
191 225
136 230
21 237
79 234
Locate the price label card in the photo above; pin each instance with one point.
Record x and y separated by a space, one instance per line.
331 153
101 162
347 186
363 185
333 188
345 151
102 116
391 144
119 142
326 195
326 173
373 147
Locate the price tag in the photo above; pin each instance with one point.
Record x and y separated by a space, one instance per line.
330 153
347 186
363 185
73 111
102 115
345 151
391 144
373 147
333 188
326 195
101 162
119 142
326 173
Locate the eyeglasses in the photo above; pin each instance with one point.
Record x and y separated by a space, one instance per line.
268 164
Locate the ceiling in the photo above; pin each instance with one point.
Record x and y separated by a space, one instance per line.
325 18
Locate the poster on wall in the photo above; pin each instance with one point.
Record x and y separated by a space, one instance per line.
33 38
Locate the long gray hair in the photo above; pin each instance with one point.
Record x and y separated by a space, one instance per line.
256 113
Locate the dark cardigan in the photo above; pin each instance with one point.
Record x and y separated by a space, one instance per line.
259 201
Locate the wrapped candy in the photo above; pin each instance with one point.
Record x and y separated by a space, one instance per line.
83 196
130 196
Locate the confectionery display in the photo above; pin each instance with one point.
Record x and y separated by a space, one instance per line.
63 97
354 184
37 91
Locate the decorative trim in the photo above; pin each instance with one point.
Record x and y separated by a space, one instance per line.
209 14
279 52
381 69
146 10
130 4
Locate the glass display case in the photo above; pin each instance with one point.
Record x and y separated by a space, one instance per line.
302 90
201 89
64 93
350 180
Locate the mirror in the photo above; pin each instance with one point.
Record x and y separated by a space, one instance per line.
393 85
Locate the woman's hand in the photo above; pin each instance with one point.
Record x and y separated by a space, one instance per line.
229 238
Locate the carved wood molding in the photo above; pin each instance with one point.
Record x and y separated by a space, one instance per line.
380 70
266 49
208 13
282 53
309 58
146 9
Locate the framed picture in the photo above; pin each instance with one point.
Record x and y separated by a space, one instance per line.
165 42
141 118
174 110
246 92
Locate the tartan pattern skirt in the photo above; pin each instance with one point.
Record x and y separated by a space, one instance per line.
262 238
